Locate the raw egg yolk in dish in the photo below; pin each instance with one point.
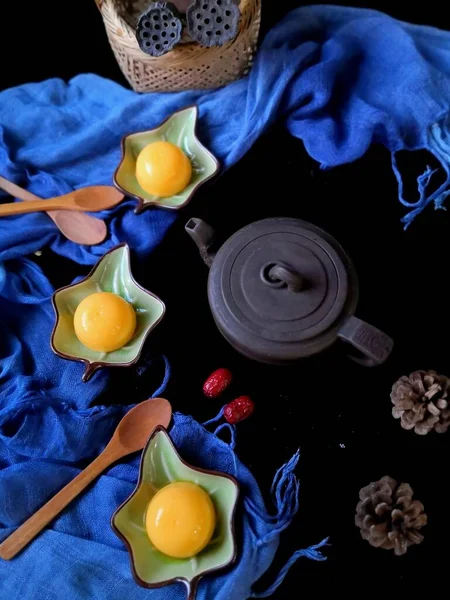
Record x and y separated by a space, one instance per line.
180 519
163 169
104 322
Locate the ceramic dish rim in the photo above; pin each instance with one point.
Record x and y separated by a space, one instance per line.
144 204
92 367
192 584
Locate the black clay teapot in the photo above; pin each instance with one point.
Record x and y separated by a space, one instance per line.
282 289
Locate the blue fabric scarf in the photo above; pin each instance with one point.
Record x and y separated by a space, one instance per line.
339 79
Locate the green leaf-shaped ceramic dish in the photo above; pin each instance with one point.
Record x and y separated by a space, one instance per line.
161 465
179 129
112 273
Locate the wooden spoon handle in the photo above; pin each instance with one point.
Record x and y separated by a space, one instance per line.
21 208
77 227
28 531
16 191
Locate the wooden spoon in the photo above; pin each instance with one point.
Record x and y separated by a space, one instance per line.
131 435
94 198
77 227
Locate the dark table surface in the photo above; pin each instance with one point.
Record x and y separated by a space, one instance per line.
337 412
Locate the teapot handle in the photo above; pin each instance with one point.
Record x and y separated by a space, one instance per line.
374 345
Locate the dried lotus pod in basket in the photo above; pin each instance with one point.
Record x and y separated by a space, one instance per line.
188 65
388 517
159 29
213 22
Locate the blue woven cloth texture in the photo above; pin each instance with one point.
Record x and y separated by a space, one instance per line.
340 79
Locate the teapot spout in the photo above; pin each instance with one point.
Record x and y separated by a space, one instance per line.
203 235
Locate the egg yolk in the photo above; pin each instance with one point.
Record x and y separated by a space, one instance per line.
104 322
180 519
163 169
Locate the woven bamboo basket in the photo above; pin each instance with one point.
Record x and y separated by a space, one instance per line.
188 65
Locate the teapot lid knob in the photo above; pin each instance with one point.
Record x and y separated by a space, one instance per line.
280 274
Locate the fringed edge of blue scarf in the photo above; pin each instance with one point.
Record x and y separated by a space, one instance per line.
438 143
285 496
285 492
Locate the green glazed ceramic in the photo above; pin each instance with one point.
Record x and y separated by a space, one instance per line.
161 465
111 274
179 129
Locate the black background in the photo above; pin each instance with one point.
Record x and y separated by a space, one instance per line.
338 413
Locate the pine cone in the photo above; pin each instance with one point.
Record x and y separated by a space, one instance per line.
421 402
388 516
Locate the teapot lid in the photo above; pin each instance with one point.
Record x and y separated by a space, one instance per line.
280 288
